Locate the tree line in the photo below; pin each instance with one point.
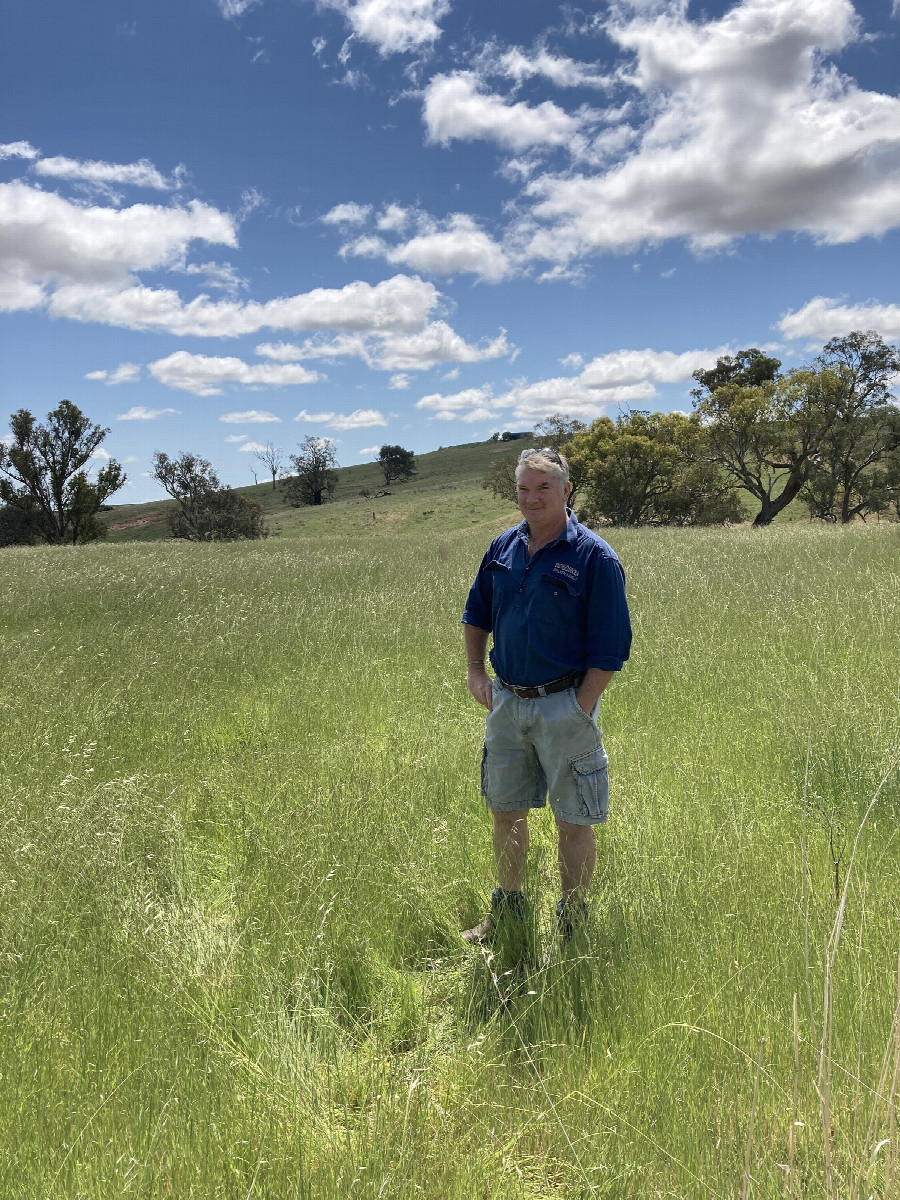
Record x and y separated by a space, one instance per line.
49 494
827 434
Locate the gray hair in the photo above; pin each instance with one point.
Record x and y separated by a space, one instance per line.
546 460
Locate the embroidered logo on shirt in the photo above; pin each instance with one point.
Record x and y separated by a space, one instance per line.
566 571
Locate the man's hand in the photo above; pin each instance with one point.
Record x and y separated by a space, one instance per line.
592 687
481 686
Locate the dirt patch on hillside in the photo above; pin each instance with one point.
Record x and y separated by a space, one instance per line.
134 523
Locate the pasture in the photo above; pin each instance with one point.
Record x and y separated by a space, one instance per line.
240 829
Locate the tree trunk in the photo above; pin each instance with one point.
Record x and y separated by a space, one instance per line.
772 507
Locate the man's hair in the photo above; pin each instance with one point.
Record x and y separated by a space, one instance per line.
545 459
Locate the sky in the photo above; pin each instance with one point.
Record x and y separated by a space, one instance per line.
229 223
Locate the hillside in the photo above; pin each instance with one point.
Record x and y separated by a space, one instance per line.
445 493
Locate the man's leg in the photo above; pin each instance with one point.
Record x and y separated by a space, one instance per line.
511 848
577 856
507 900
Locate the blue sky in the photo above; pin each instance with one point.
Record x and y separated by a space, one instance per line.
231 222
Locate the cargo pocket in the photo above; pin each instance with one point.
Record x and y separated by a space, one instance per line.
483 770
592 783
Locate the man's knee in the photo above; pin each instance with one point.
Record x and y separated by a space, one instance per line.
574 833
506 820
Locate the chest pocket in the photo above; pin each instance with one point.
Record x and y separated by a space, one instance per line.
556 600
559 587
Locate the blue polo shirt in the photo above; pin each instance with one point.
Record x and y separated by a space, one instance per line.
562 610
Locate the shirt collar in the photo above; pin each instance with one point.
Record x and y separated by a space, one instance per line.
569 534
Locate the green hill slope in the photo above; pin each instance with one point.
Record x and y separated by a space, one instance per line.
446 493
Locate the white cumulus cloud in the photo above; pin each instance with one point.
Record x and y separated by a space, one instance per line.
445 248
399 382
361 418
124 373
393 219
456 402
622 377
749 130
399 352
18 150
231 9
347 214
140 413
138 174
822 318
81 262
279 351
48 244
218 275
252 416
457 108
521 65
630 367
437 342
393 26
206 376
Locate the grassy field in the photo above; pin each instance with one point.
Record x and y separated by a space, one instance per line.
240 829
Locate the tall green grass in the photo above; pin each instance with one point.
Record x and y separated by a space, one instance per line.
240 829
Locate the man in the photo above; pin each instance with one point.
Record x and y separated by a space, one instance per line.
552 595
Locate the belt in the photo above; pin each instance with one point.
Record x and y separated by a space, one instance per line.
573 679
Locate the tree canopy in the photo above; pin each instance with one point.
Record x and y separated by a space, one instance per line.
315 474
650 469
43 476
848 476
500 477
207 512
396 463
816 432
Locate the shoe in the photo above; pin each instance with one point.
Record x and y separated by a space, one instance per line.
504 905
571 916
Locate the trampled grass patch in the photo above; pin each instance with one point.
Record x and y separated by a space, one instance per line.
241 830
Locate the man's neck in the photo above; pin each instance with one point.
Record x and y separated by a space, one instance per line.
540 535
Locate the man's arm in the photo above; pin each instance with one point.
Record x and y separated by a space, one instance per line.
592 687
477 677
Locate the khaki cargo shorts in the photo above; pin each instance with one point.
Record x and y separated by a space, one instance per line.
544 748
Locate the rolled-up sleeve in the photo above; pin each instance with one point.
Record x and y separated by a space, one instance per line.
480 602
608 623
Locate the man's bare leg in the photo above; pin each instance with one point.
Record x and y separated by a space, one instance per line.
511 848
577 857
510 852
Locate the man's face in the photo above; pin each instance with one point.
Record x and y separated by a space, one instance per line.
542 497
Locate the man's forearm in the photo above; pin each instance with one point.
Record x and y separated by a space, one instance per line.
476 645
592 687
476 673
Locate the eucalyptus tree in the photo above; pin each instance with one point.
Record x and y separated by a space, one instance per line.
45 477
